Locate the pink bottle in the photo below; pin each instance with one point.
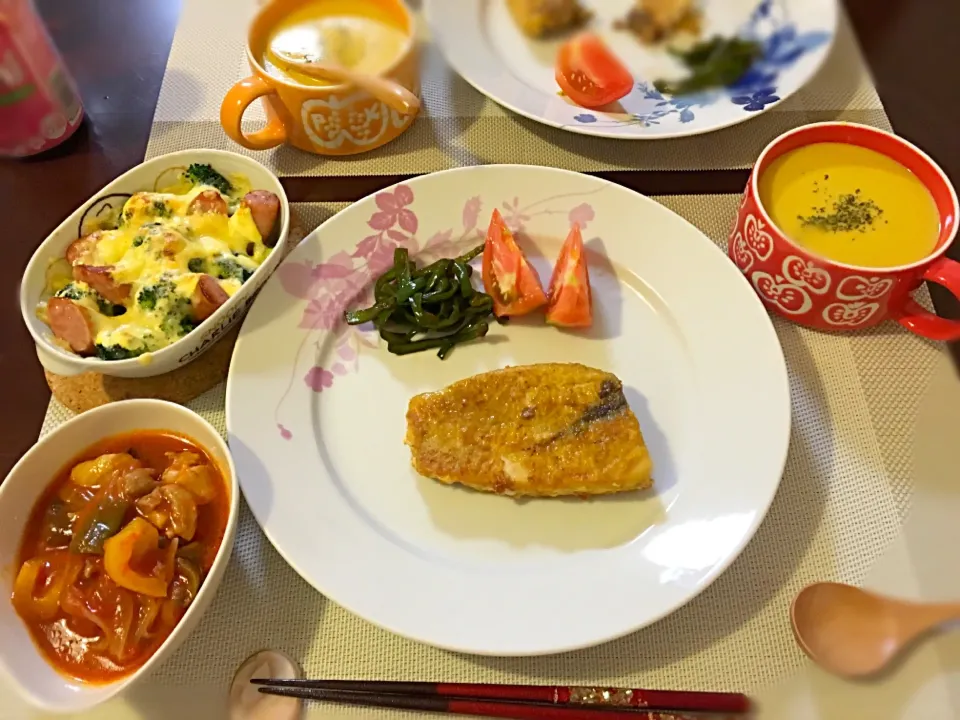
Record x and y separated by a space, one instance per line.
39 104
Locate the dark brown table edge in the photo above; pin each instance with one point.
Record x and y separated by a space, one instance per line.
647 182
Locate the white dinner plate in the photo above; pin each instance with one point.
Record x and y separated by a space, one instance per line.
484 45
316 420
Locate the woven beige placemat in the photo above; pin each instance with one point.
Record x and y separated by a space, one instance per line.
844 494
926 683
459 126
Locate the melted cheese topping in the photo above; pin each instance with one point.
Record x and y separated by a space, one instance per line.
161 251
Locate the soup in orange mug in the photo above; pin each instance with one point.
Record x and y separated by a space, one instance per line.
374 37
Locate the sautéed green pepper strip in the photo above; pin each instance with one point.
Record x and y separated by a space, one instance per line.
431 308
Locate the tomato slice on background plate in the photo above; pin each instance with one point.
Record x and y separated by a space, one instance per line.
590 74
571 300
507 275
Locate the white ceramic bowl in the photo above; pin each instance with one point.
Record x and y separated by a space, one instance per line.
141 178
20 658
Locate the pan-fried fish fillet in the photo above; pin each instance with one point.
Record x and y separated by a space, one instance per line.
537 430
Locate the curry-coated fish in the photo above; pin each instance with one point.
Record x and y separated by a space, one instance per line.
536 430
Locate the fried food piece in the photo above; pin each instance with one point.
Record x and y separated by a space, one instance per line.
539 18
536 430
666 13
653 21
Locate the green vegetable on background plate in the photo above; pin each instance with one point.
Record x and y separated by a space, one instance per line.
713 63
431 308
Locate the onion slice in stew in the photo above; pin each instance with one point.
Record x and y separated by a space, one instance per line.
147 613
74 604
115 606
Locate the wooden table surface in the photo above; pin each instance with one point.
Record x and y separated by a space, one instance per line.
910 46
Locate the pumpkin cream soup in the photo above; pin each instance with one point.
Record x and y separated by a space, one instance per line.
851 204
361 35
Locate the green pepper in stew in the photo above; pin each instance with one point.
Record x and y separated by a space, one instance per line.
98 523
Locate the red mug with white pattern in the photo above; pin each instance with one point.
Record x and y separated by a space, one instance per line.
827 295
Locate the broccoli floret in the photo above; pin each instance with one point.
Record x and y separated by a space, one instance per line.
116 352
71 292
109 309
178 320
228 268
205 175
159 209
177 312
148 296
187 323
196 265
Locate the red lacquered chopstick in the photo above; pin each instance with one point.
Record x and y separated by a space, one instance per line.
518 710
560 696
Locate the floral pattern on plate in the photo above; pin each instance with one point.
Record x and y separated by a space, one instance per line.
346 280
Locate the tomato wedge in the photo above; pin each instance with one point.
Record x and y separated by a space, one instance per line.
571 301
507 275
590 74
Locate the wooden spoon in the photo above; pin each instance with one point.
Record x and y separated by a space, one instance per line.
387 91
855 633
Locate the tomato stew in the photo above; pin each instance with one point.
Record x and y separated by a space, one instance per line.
116 549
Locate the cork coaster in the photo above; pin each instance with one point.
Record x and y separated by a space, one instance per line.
90 389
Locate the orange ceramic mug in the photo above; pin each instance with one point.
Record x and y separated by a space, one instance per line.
322 119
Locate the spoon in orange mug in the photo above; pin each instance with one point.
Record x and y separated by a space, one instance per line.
856 633
386 91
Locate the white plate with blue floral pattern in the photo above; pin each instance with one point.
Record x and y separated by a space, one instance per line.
316 416
484 45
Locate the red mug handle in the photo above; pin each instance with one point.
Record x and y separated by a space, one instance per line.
916 319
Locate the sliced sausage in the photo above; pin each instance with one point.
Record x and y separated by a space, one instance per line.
99 278
82 248
265 209
71 323
207 297
209 201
